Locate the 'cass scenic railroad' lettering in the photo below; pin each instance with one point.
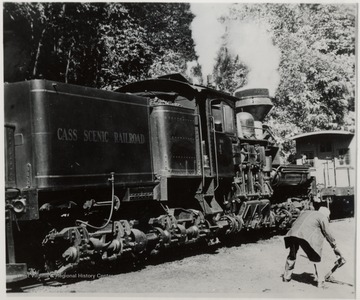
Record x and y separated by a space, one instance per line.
99 136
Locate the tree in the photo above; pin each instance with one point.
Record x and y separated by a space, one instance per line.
127 55
93 44
24 30
61 40
73 51
169 63
317 73
229 72
167 26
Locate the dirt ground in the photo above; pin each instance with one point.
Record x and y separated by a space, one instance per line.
250 269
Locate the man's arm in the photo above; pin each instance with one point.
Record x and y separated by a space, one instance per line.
325 229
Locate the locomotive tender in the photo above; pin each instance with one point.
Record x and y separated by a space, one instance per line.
94 175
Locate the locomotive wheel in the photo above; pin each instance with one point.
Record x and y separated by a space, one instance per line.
54 257
62 250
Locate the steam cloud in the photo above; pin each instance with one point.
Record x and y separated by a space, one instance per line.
249 40
207 33
253 44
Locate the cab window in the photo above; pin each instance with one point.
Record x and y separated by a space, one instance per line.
223 115
344 156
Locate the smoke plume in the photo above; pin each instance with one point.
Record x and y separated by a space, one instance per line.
253 44
249 40
207 32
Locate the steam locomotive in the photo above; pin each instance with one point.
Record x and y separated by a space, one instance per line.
93 176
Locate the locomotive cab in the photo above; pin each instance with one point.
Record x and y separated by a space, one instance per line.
221 134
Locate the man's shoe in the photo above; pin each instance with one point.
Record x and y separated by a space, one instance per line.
284 279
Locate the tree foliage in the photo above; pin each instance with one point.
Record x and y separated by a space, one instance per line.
127 54
167 27
317 66
170 62
229 72
93 44
61 40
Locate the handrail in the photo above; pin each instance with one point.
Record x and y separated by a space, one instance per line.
201 151
215 146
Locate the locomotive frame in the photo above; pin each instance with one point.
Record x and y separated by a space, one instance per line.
92 176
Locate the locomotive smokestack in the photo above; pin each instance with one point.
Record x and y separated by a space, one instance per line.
209 80
255 102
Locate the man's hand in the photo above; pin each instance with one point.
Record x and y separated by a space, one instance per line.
338 253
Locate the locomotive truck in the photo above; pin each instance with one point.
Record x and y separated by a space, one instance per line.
92 176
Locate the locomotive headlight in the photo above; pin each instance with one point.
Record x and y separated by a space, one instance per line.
19 205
